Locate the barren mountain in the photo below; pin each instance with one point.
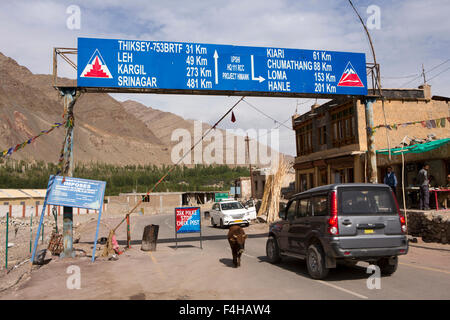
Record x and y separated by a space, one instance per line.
106 130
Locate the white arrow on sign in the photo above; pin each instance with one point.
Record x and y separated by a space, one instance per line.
216 56
260 79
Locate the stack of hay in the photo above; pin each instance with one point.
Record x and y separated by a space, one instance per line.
270 204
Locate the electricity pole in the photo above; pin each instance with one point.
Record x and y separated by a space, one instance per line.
247 140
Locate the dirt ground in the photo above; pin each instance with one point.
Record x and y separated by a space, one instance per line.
21 238
191 273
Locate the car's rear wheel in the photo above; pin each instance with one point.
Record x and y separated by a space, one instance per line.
272 250
315 262
213 223
386 268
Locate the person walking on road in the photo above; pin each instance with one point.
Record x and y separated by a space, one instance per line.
424 184
390 179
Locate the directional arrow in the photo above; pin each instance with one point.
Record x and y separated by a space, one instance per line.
216 56
260 79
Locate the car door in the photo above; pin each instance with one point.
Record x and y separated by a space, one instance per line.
290 210
300 226
214 213
319 217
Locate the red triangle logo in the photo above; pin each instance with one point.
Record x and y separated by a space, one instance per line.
350 78
96 67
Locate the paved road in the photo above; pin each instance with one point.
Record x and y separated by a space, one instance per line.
414 279
193 273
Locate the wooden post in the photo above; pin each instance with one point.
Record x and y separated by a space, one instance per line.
31 231
128 232
7 231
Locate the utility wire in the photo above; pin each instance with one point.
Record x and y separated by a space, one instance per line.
402 77
435 67
438 74
265 114
178 162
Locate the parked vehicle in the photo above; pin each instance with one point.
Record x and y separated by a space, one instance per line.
251 206
229 212
340 223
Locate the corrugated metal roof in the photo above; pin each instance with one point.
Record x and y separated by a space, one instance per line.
35 193
22 193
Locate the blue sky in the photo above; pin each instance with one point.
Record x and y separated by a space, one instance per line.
411 33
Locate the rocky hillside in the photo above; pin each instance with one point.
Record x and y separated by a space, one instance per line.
106 130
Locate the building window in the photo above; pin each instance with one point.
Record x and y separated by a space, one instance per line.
323 176
343 126
304 139
322 134
303 182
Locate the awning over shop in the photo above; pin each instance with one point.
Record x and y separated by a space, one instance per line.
417 148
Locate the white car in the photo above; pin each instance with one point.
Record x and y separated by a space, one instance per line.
250 205
229 212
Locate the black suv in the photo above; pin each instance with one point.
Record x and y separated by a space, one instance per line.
340 223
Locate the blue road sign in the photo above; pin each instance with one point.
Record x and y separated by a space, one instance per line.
76 192
218 69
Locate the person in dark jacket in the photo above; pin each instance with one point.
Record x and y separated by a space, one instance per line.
424 184
390 179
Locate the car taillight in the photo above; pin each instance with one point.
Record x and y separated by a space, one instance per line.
333 227
400 215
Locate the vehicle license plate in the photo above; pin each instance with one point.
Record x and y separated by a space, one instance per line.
368 231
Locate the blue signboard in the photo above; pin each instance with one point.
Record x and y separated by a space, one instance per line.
219 69
76 192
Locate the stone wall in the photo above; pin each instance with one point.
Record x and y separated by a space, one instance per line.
432 226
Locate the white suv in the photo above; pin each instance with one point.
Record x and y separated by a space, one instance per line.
229 212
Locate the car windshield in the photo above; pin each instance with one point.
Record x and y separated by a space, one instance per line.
231 206
367 202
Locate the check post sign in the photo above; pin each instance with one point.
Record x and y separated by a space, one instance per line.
187 220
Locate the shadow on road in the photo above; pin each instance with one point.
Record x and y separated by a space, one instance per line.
184 246
227 261
340 273
186 239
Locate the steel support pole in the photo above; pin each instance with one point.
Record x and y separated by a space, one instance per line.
372 157
247 140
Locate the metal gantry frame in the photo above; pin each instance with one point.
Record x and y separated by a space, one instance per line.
67 53
71 92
